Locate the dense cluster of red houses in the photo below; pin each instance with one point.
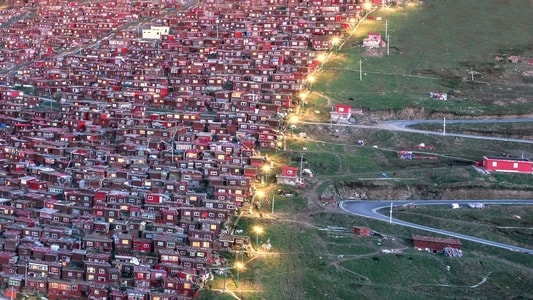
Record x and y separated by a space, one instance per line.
130 133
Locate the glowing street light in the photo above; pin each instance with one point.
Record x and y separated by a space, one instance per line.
258 230
335 42
322 59
266 169
304 94
367 6
311 79
238 266
293 120
260 193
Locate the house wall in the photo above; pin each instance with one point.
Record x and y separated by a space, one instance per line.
507 165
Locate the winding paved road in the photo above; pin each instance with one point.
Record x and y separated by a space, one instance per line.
369 209
403 125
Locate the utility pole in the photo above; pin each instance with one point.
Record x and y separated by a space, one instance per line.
386 27
272 203
360 70
301 165
390 214
472 74
388 43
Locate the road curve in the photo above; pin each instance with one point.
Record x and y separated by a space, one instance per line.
403 125
369 209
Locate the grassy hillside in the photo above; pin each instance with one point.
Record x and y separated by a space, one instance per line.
433 47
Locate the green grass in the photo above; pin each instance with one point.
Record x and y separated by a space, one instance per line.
501 129
494 223
434 46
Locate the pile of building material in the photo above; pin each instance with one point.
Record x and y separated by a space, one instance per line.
452 252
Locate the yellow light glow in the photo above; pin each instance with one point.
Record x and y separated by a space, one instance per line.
239 265
260 194
258 229
367 5
335 40
311 78
321 57
293 119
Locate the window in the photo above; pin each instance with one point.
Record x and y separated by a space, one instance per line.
515 165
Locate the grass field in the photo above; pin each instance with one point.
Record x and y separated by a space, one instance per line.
434 47
309 263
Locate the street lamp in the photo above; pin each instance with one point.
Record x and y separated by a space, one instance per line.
293 120
303 95
367 6
311 80
258 194
266 169
257 230
322 59
335 42
238 266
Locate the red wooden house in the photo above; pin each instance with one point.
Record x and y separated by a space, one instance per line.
435 244
289 175
60 289
341 112
506 164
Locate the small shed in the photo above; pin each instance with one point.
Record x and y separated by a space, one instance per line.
435 244
373 40
362 231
